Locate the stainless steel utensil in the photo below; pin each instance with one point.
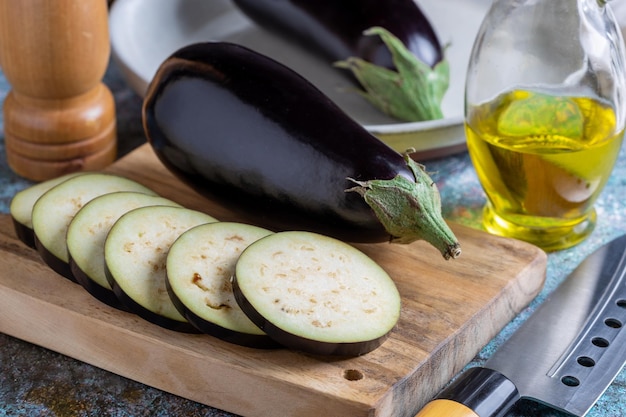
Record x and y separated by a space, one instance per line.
565 355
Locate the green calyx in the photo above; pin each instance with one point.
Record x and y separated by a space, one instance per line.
412 93
410 210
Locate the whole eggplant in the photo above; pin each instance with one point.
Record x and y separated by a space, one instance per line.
250 133
389 48
335 28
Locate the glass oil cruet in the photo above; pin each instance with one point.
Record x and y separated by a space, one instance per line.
544 116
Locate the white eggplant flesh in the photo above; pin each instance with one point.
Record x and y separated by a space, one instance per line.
316 294
135 253
87 233
200 265
55 209
21 207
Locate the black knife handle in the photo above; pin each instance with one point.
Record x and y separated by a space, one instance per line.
478 392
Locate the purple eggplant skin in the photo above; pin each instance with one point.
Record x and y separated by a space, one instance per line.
279 152
57 265
24 233
334 28
104 295
128 304
256 137
257 341
302 344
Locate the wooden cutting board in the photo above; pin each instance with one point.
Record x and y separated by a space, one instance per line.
451 309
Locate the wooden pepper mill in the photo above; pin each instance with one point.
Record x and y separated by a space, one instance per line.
59 117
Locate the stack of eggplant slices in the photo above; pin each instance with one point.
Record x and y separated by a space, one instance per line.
185 271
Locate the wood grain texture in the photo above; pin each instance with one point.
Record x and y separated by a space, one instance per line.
58 117
450 310
54 50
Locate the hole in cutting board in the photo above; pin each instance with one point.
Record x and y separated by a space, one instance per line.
352 374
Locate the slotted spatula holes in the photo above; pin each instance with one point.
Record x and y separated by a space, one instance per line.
586 361
570 381
603 332
600 342
613 323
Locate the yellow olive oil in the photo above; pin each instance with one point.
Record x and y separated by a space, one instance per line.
542 161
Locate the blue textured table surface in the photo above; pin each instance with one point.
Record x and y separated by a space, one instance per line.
37 382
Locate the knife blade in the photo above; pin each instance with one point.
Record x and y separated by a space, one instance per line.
564 355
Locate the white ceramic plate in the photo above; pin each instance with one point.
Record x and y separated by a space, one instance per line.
145 32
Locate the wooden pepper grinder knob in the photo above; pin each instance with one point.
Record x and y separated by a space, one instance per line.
58 117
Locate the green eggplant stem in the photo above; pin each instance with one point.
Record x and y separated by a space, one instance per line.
412 93
410 210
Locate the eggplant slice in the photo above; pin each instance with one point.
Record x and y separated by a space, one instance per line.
135 253
87 232
22 203
316 294
54 210
200 265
